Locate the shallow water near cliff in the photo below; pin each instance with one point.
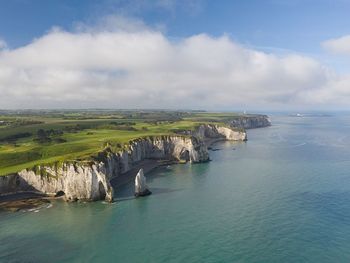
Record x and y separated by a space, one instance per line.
284 196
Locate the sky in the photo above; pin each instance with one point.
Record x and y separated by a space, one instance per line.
175 54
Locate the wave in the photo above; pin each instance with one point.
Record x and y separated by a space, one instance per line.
300 144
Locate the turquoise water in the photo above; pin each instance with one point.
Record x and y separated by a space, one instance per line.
284 196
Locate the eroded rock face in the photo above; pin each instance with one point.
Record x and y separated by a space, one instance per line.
84 182
232 135
141 188
9 183
166 147
251 122
92 181
210 131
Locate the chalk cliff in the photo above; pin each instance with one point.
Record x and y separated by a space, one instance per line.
211 131
77 182
90 180
141 188
251 122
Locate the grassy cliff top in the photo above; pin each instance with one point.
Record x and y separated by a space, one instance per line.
30 138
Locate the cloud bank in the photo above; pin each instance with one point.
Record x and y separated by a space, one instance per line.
137 67
338 45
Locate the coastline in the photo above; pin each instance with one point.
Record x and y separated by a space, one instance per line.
34 199
150 164
23 201
203 137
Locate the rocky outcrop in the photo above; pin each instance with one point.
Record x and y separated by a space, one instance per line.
141 188
91 180
250 122
210 131
9 183
187 148
75 182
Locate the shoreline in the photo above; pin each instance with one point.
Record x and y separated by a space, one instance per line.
149 165
25 200
15 202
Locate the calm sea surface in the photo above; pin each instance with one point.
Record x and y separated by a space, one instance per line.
284 196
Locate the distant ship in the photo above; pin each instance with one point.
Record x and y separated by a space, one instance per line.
297 115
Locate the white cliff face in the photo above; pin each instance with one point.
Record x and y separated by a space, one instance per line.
232 135
250 122
140 183
210 131
91 181
85 182
166 147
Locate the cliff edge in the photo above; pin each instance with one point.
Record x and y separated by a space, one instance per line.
251 122
90 180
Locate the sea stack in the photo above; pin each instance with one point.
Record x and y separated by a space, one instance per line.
140 185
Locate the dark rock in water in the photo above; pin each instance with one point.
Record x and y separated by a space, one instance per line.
22 204
144 193
233 149
141 188
215 149
210 148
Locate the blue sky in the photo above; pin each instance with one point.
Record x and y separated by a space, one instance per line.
276 28
296 25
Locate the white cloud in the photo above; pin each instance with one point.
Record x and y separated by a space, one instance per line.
3 44
139 67
338 45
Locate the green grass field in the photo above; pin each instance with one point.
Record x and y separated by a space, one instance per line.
80 135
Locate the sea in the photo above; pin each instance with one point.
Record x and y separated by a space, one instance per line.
282 196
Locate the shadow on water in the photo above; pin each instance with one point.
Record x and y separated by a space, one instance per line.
122 199
126 191
128 194
19 196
